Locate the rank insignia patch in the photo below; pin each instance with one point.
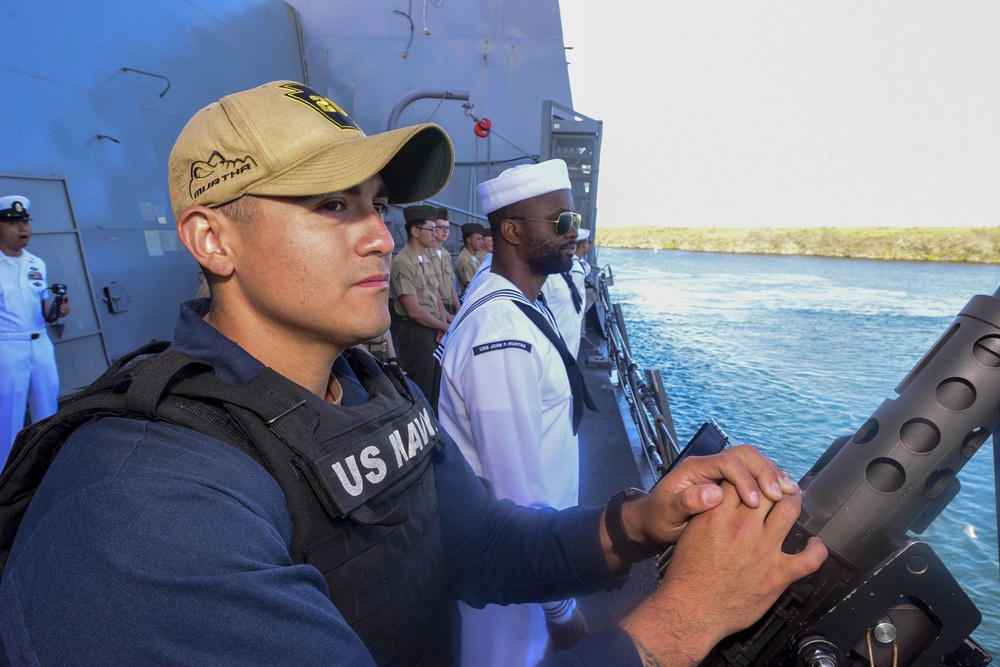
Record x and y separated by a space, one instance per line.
322 105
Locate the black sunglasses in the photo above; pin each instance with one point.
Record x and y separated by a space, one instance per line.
567 220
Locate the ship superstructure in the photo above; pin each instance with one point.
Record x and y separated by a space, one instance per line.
97 93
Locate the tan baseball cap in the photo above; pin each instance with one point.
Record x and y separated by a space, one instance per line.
286 140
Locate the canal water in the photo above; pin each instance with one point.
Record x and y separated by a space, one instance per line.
789 353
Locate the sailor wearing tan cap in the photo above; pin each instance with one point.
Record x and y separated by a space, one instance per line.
29 377
413 284
294 503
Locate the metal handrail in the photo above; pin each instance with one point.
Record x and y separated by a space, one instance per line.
653 427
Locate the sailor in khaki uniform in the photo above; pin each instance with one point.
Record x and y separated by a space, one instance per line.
415 297
28 373
443 264
382 348
466 263
485 245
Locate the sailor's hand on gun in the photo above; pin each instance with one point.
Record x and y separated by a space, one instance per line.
726 571
693 487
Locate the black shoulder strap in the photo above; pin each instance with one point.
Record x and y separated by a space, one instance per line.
363 361
581 396
36 446
169 386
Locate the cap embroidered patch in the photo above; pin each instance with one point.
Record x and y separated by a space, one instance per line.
324 105
216 169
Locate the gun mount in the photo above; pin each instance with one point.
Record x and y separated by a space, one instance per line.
883 597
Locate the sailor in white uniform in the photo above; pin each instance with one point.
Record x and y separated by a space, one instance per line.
581 273
28 374
565 299
505 396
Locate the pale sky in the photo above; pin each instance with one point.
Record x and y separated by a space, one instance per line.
791 113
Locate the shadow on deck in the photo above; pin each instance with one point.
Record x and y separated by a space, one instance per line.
608 465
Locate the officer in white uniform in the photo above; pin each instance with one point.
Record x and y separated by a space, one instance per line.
505 396
28 374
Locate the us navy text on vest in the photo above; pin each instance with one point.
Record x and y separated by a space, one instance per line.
402 447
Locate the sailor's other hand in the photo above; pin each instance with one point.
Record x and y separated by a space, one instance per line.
64 307
726 571
693 487
566 635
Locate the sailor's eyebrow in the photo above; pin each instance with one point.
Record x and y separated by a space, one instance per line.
353 191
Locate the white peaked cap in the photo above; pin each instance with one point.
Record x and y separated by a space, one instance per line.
582 234
14 207
523 182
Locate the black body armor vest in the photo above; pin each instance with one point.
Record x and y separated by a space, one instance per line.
358 482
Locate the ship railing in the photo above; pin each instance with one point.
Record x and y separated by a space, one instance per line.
642 390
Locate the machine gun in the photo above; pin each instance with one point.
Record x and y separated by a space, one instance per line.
882 597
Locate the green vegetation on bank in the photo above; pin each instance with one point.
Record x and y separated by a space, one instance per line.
979 245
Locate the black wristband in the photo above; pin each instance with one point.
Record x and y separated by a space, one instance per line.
392 360
624 546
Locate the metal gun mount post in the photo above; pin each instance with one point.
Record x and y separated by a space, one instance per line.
415 95
895 474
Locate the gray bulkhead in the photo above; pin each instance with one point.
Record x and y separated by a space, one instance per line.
96 93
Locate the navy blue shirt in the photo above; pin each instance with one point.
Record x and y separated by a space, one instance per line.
149 543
